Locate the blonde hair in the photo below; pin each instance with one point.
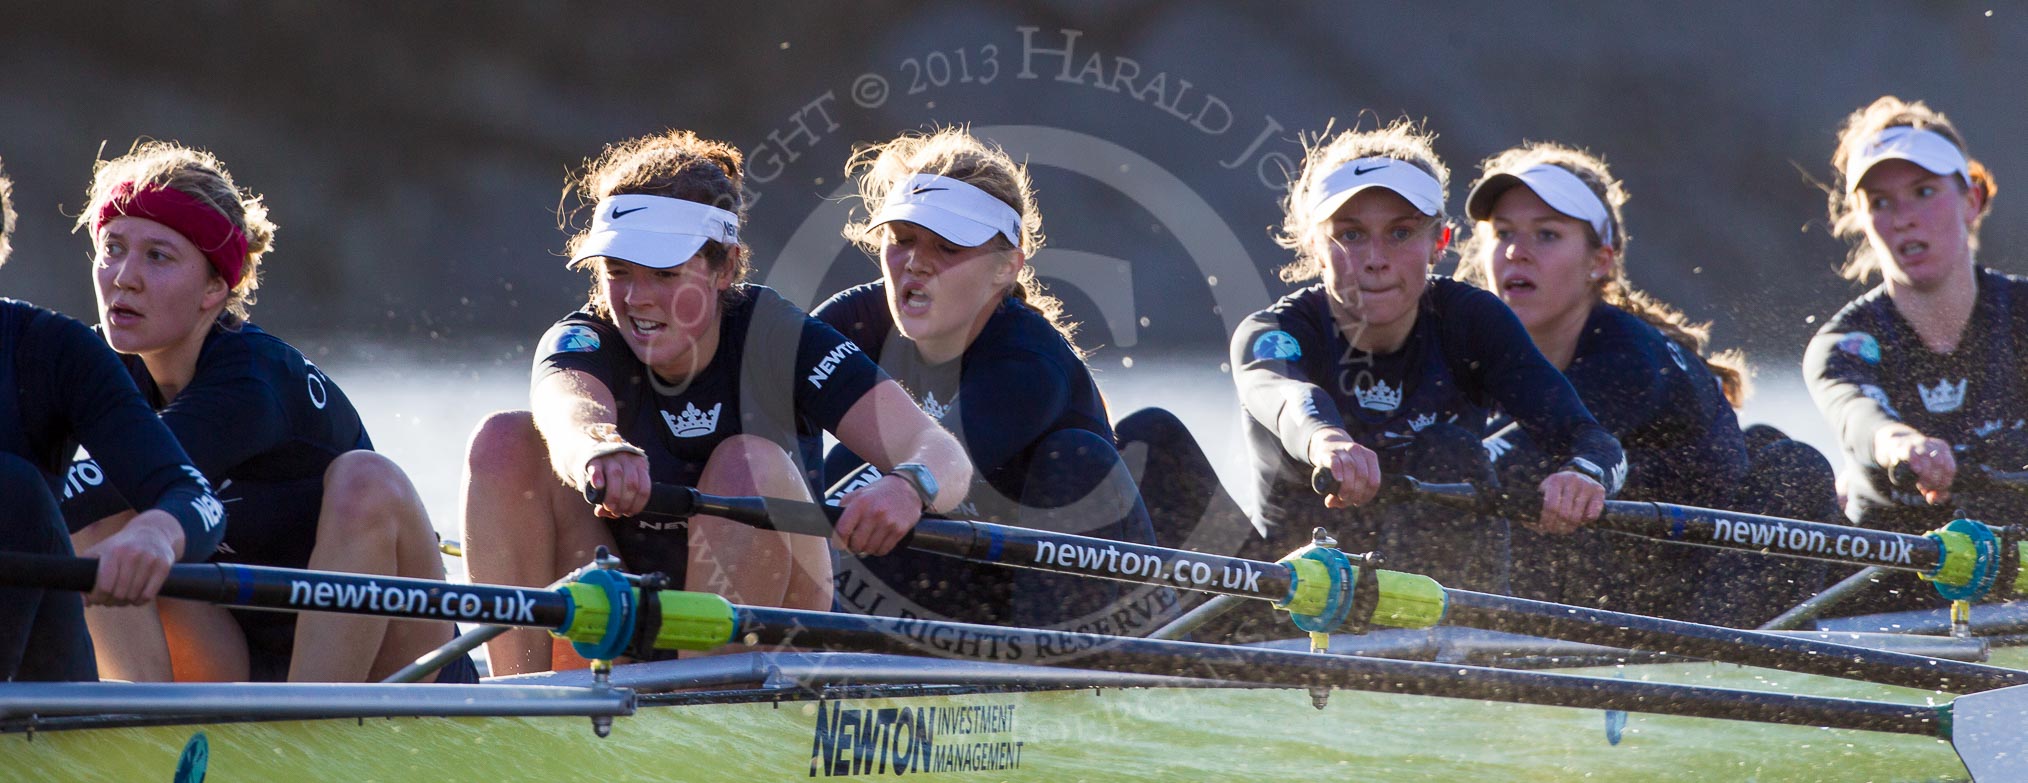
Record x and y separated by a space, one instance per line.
956 153
1848 221
198 174
1614 289
1403 140
6 215
672 164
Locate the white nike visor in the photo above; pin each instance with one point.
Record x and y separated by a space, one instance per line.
1405 179
1925 148
955 210
1560 189
655 231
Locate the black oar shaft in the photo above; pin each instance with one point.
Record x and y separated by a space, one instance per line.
986 542
1297 669
996 544
1730 645
1772 535
1729 530
260 587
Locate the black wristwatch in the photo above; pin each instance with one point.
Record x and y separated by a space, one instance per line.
918 475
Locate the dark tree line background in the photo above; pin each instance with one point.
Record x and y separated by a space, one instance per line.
414 153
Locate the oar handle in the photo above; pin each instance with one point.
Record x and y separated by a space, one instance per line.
194 581
1970 478
77 574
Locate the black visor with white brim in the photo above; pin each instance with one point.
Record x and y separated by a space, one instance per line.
954 209
1401 177
1556 186
1925 148
655 231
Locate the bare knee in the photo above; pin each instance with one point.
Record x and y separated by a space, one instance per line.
749 464
505 444
366 495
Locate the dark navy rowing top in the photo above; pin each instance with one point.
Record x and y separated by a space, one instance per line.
1867 367
1016 383
1467 354
778 374
69 388
1682 440
256 412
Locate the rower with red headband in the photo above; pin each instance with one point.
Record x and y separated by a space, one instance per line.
68 388
177 248
1385 368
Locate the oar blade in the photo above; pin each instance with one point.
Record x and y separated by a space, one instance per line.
1990 732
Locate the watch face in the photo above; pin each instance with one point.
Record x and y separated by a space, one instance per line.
918 475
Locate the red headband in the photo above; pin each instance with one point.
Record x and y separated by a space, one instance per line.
224 245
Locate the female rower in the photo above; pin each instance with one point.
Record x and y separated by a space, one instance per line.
177 248
677 371
1924 371
1384 368
68 387
1550 239
960 320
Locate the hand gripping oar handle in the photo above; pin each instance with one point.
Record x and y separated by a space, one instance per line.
1970 478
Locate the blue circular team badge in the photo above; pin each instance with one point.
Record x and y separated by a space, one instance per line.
575 338
1277 345
1862 345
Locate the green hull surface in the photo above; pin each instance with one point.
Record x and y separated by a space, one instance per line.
975 734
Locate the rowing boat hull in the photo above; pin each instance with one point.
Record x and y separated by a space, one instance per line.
969 733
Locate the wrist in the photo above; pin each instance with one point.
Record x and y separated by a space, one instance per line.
919 480
1326 441
159 526
605 441
1891 443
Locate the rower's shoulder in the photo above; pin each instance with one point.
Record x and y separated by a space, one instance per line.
859 312
1306 303
247 340
1870 312
857 296
1622 343
1446 294
1991 279
21 320
1018 332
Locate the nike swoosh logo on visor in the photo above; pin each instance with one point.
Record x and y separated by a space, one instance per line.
1362 172
920 191
620 213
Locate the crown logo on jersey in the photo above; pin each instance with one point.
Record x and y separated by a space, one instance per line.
693 423
1422 421
936 410
1944 398
1378 397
